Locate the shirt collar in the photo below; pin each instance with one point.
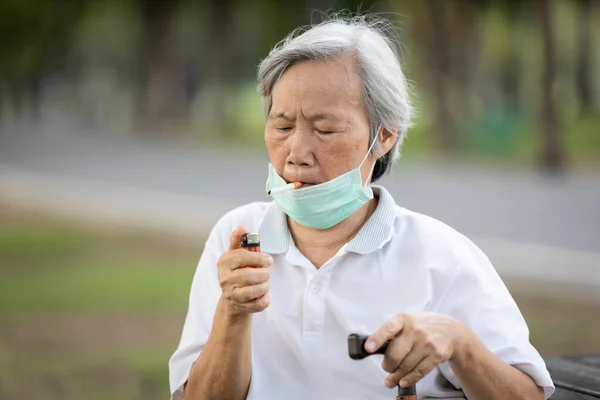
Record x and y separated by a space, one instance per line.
275 237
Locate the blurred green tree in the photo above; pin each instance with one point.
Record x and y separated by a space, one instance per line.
585 83
161 96
510 74
187 65
440 61
35 35
551 146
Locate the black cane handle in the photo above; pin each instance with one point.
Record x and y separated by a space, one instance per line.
356 350
356 347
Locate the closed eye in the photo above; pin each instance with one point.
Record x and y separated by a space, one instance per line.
323 132
284 130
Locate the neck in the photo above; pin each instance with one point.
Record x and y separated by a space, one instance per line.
319 245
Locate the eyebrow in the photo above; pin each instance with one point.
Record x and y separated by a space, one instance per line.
313 117
280 116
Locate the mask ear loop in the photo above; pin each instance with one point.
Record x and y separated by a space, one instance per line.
369 152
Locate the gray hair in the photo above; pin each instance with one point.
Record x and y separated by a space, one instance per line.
368 40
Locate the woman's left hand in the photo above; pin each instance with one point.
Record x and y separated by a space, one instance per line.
419 343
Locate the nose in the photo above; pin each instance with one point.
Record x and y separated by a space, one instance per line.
300 148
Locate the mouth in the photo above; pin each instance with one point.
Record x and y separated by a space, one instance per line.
302 184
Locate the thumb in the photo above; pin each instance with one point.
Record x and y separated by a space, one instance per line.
236 238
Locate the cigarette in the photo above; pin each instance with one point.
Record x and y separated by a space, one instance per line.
289 186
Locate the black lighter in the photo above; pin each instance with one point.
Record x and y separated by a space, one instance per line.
251 242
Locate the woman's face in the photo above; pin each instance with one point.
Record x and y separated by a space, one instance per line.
317 128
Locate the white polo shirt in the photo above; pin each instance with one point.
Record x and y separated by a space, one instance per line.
400 261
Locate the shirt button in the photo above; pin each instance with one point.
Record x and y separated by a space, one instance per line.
315 289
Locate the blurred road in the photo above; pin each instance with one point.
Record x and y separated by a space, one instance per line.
506 204
530 224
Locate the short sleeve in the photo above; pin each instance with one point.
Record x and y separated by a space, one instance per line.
478 298
204 295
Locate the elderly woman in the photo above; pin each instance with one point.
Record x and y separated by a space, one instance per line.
339 256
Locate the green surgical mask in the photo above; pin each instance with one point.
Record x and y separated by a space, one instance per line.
324 205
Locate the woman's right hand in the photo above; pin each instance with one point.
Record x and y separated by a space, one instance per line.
245 290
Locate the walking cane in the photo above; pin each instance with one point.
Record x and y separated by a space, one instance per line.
356 351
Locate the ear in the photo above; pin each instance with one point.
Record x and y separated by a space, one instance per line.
387 140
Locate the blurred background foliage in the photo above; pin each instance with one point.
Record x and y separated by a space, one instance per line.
509 80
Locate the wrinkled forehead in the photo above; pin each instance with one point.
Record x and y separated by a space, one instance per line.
327 87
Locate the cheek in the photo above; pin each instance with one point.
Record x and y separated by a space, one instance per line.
277 150
340 157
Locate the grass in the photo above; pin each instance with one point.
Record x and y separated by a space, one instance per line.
88 312
94 313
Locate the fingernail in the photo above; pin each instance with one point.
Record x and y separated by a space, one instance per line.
370 346
389 384
269 259
403 383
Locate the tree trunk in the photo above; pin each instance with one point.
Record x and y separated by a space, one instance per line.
585 83
466 31
220 67
511 73
162 99
551 157
440 55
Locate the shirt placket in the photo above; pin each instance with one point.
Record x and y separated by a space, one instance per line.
315 296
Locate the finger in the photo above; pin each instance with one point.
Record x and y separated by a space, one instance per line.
412 359
242 277
248 276
261 303
241 258
249 293
386 332
419 372
235 240
253 306
396 352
